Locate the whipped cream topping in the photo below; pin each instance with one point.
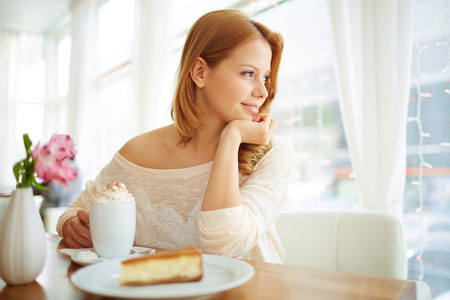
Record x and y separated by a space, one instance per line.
114 192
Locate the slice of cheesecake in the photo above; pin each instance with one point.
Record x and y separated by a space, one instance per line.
169 266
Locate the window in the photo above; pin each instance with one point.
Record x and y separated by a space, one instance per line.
63 53
444 227
113 118
98 106
32 97
427 190
115 34
307 105
59 43
115 104
30 111
428 178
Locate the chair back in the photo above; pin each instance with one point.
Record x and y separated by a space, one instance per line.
349 241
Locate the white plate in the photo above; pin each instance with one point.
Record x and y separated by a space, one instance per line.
73 253
219 274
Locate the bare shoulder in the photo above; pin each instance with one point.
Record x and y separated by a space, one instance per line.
151 149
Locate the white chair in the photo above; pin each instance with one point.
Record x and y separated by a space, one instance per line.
347 241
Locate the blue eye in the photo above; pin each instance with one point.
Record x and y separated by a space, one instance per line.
251 74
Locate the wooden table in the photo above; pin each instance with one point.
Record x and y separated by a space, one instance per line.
271 281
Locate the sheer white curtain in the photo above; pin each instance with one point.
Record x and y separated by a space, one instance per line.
82 92
9 66
152 83
373 44
153 77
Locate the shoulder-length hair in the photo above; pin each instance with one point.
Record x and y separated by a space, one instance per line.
213 37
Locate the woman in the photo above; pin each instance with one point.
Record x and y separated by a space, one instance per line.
217 177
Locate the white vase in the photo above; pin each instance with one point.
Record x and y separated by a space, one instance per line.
23 247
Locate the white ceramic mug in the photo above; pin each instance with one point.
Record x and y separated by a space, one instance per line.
113 227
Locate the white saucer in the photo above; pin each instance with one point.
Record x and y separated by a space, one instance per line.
75 254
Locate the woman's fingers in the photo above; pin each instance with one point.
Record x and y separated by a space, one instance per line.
261 118
71 243
74 240
82 226
78 234
83 215
259 131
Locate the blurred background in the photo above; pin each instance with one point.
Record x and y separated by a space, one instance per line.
103 71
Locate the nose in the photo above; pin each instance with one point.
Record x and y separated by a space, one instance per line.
260 90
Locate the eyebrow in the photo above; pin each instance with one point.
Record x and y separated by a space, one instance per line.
252 66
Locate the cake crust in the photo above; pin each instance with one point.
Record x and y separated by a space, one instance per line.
189 250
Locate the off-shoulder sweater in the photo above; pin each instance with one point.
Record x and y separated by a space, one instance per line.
168 206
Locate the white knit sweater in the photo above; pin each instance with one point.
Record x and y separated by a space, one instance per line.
168 206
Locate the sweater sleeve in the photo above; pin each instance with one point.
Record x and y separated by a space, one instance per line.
81 202
236 230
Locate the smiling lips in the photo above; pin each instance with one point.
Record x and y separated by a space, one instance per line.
251 108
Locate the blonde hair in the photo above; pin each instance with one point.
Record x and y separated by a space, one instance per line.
212 37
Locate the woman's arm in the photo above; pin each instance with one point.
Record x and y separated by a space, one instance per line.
223 185
236 230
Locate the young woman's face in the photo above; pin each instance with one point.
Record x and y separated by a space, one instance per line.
234 89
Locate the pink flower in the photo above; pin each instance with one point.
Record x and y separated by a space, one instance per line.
52 160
